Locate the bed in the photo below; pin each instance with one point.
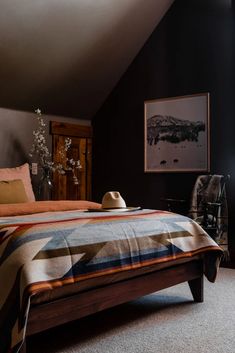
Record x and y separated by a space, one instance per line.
59 262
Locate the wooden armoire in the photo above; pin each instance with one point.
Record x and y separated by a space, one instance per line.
64 187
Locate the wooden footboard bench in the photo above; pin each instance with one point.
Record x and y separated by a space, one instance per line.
60 311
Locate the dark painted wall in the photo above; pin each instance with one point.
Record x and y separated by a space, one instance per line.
191 51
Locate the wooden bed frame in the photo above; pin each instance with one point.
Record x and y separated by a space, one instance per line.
60 311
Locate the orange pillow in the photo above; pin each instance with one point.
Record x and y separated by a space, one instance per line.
22 173
12 191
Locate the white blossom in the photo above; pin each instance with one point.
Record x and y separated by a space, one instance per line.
40 151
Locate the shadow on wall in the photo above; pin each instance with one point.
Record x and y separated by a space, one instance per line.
12 151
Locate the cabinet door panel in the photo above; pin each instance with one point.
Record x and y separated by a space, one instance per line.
64 186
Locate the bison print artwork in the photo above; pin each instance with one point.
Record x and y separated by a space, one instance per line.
177 134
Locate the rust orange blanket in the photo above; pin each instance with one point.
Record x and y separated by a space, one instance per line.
41 251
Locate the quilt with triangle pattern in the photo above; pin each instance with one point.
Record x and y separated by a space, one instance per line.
46 250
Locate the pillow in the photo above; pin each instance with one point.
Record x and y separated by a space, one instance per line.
21 172
47 206
12 191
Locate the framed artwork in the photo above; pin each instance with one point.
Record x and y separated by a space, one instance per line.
176 134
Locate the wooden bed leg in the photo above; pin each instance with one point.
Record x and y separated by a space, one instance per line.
196 287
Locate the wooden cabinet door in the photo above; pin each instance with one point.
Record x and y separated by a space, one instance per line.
81 148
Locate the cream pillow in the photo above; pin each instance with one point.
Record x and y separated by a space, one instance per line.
12 191
22 173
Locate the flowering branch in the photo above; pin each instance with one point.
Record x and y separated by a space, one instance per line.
69 164
40 149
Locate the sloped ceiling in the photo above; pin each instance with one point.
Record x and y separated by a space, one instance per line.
65 56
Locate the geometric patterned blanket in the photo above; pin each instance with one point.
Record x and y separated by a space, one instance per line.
52 249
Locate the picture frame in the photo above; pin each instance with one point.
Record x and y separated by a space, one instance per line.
177 134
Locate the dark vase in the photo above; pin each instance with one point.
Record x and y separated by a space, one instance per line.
45 185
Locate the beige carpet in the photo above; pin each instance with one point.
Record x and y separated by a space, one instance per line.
164 322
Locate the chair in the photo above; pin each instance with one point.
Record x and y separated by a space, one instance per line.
208 205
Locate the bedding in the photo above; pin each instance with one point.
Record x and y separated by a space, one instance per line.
12 191
45 206
22 172
46 250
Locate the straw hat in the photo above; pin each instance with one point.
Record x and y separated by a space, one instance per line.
113 200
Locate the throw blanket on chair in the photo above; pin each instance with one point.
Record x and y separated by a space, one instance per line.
211 188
